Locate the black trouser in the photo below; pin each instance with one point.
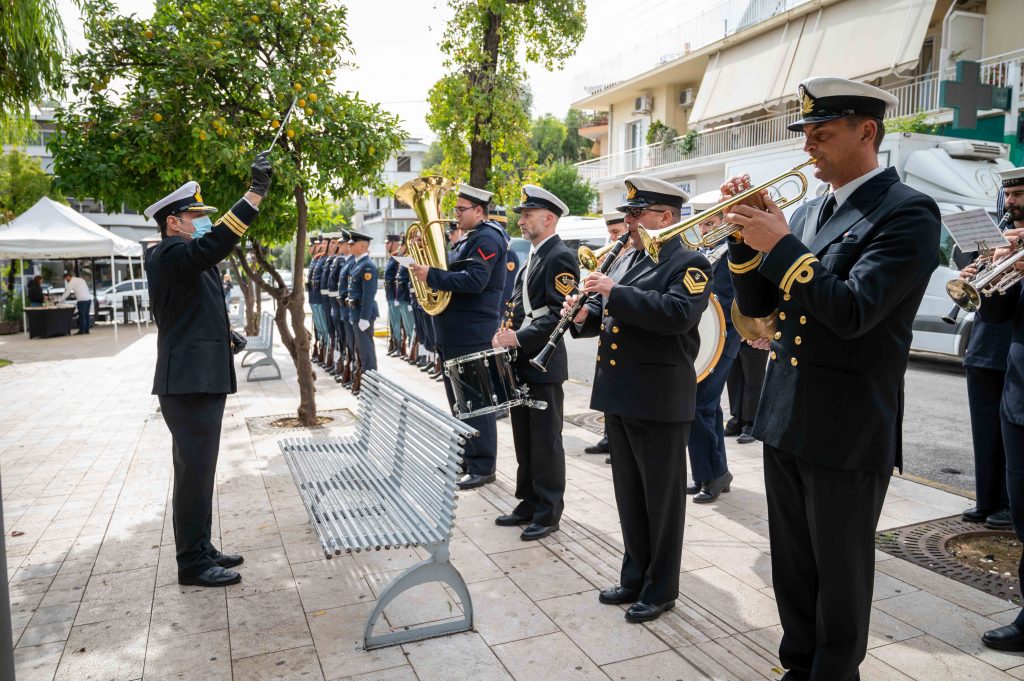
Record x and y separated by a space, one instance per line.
984 390
649 474
706 444
821 526
194 421
746 377
481 455
1013 441
537 434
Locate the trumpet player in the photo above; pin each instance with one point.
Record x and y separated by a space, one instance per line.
999 309
846 274
645 383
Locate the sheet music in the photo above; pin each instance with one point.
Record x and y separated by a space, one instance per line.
973 229
403 260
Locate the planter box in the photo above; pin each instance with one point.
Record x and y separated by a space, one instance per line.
7 328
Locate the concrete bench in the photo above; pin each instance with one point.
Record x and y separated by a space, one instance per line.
389 485
261 344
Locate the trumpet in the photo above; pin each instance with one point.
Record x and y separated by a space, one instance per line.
993 276
689 229
589 259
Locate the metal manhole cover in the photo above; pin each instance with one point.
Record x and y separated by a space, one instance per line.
925 544
261 426
591 420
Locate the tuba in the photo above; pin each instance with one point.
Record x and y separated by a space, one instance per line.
425 239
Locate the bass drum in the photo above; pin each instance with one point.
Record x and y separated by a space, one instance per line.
712 338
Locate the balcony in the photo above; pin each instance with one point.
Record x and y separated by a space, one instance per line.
919 95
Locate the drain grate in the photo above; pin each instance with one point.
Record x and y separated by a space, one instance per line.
591 420
261 426
925 544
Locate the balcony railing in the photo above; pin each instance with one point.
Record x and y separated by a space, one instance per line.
919 95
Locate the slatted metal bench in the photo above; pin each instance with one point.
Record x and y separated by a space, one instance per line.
261 344
389 485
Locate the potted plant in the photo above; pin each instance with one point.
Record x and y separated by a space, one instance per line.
11 319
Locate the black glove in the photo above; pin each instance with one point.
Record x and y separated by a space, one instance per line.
261 173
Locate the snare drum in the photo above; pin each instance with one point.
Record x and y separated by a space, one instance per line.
485 383
712 338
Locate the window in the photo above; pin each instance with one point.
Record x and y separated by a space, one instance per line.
404 164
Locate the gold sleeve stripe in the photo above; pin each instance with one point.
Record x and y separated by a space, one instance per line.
744 267
799 272
233 223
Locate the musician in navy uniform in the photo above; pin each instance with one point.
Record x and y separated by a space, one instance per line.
362 303
706 446
534 311
646 385
390 291
847 282
999 309
194 367
499 215
476 279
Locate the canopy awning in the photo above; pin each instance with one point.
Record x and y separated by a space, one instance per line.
884 35
52 230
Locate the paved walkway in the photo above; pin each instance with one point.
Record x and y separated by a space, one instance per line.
86 480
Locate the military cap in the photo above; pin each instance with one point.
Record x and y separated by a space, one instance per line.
395 238
354 236
1012 178
614 217
706 200
643 191
480 197
184 198
538 197
826 99
498 214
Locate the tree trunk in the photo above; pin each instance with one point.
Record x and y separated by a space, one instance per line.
250 293
296 307
483 81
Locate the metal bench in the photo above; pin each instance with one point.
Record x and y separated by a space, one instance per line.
389 485
261 344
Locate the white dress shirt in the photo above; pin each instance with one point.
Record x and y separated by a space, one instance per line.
77 286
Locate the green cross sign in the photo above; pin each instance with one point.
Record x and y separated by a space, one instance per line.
967 95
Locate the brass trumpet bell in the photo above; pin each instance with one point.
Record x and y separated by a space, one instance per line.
589 258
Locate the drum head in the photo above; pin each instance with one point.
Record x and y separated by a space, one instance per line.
712 338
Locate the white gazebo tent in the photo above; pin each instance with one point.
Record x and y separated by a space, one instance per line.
52 230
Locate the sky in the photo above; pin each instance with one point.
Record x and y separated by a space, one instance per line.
398 59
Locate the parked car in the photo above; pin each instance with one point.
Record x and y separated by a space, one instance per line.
113 296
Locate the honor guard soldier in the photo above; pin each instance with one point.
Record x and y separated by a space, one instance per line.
476 279
316 245
347 347
706 445
646 385
403 294
362 303
316 282
999 309
846 275
195 369
390 292
534 311
335 285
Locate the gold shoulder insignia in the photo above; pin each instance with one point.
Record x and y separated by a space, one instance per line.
367 276
695 280
630 190
565 283
511 266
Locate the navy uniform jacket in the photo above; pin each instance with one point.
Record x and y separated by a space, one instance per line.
319 273
476 278
362 289
193 344
553 274
512 267
721 286
390 278
1009 308
403 286
649 337
833 392
312 292
989 344
344 268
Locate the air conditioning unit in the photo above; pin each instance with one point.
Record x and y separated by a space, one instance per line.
686 98
643 105
974 150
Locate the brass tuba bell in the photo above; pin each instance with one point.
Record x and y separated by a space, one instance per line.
425 239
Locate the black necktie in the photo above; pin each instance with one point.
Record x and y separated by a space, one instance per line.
827 209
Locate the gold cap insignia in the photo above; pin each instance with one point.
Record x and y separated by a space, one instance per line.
630 191
525 197
565 283
695 280
511 266
199 196
806 102
367 276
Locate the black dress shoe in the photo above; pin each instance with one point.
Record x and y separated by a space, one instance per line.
227 560
732 428
213 576
608 460
694 488
1000 520
470 481
535 531
975 515
713 489
745 437
645 612
618 595
1008 638
600 448
510 520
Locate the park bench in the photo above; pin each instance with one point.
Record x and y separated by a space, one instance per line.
261 344
391 484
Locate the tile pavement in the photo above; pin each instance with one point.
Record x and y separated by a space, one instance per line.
86 482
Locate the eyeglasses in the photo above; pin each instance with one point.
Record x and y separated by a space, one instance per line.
637 212
459 210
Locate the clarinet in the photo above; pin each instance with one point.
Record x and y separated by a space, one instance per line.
542 358
954 312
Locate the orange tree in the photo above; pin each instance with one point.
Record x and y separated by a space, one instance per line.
193 93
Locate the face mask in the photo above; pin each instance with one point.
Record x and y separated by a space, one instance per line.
203 226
